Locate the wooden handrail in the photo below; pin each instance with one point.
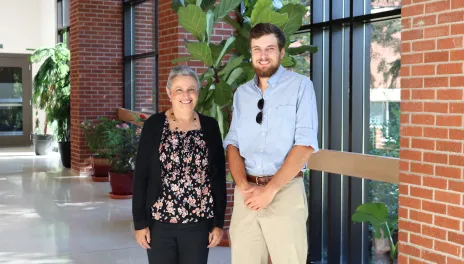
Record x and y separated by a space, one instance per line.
364 166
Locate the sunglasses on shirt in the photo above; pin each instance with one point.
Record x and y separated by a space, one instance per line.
259 116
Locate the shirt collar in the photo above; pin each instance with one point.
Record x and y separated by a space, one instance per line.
274 78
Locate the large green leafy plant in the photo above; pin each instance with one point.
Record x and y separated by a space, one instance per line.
51 88
97 136
377 215
220 80
122 145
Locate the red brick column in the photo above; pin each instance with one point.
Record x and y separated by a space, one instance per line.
171 45
432 176
96 39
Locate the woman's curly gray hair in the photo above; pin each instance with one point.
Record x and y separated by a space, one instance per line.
182 70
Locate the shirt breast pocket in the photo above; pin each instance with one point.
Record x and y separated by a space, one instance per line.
285 117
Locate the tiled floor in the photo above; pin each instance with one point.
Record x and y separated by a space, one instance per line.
48 215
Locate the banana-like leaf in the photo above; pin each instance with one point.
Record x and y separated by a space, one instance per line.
263 13
242 46
288 61
222 94
220 119
209 24
232 64
302 49
203 93
225 7
228 43
208 102
374 213
215 50
193 19
201 51
182 59
207 4
249 71
295 13
237 75
258 7
270 16
207 75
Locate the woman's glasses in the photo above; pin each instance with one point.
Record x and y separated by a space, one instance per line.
259 116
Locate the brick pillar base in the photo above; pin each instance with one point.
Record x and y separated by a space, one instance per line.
432 178
96 39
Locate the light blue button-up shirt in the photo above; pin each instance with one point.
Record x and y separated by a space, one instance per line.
289 119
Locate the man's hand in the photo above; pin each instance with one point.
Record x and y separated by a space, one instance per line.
143 237
215 237
260 198
246 190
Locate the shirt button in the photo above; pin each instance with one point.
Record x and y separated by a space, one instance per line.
263 134
259 167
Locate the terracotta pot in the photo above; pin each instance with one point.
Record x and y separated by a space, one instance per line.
121 185
101 167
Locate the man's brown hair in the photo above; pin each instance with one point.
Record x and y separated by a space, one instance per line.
262 29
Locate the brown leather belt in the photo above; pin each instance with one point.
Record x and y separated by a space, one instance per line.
263 180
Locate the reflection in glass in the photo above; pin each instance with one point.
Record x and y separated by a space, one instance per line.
303 61
144 24
10 84
144 84
59 14
384 126
307 3
384 5
11 92
66 13
11 120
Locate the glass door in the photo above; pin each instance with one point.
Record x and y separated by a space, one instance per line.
15 96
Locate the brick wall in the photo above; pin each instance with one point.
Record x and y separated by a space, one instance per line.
172 45
96 39
432 176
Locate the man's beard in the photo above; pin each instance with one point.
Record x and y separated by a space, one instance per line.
267 72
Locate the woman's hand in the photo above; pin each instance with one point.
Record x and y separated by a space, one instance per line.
143 237
215 237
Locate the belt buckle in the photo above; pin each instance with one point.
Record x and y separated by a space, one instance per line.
257 183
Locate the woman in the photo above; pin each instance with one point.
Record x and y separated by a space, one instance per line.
179 196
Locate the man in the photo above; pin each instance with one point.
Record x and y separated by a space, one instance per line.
272 135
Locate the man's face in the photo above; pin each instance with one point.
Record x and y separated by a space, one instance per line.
265 55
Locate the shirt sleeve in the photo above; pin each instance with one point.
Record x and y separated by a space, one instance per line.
306 116
231 138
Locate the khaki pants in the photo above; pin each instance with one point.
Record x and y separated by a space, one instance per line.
278 231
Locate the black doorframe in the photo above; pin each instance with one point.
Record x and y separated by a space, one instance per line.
8 60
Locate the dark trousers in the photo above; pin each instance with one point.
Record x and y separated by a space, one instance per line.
179 243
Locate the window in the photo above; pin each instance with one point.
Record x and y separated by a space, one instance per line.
141 55
355 76
63 21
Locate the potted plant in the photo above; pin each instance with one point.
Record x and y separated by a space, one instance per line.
51 84
96 135
122 143
60 112
382 224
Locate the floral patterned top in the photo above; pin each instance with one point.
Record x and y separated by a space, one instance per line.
186 189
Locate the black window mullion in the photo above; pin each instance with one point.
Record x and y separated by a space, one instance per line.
155 62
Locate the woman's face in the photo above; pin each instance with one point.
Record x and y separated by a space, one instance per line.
183 93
